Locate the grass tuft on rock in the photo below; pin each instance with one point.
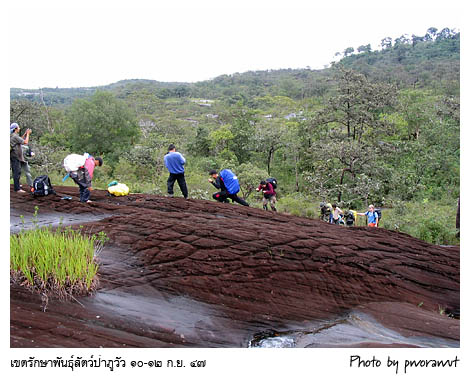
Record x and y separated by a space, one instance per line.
57 263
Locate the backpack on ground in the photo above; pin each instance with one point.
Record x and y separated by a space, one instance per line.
118 189
272 181
42 186
230 181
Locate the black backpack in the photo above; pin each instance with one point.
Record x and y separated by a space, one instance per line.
349 218
272 181
379 213
42 186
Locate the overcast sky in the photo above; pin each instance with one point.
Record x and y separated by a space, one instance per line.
100 42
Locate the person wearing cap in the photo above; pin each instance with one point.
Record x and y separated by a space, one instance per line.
16 154
175 162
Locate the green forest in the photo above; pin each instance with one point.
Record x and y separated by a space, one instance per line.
375 127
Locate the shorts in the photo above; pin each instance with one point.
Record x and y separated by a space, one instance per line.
271 200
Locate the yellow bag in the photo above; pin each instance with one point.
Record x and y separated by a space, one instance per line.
119 190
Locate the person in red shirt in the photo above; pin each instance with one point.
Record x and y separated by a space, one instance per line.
84 175
269 195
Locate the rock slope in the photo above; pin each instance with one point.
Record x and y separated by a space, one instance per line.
261 267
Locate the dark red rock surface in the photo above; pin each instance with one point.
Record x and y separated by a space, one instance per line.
246 267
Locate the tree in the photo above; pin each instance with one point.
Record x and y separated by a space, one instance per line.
346 133
201 145
364 48
431 34
102 125
220 139
416 39
402 40
249 177
269 138
357 104
29 115
414 108
243 130
386 43
348 51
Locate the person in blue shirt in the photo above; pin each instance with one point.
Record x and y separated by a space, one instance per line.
372 216
175 162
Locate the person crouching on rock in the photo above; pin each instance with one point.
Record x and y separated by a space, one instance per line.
372 216
84 175
175 162
269 195
224 194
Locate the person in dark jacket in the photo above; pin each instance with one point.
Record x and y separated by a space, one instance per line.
175 162
16 154
269 195
223 195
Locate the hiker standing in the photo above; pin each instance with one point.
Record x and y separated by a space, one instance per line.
336 217
175 162
224 193
372 216
27 153
269 194
16 154
84 175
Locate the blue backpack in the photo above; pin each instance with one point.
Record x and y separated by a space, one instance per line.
230 181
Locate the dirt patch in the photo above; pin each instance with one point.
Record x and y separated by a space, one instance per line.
241 270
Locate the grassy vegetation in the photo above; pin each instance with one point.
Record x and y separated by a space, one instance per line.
431 221
59 263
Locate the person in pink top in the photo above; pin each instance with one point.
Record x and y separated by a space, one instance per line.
84 175
269 195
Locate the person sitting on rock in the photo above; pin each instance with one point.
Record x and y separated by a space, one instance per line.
269 195
224 194
84 175
372 216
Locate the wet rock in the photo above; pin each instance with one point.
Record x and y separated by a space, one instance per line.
254 271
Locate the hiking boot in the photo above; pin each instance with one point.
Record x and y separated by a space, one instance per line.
170 195
20 191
